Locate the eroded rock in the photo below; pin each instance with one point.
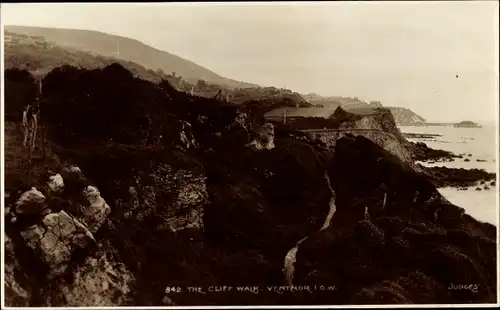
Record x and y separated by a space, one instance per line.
99 281
56 238
56 183
31 202
94 215
378 126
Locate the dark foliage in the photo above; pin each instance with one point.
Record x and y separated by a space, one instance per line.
20 90
408 251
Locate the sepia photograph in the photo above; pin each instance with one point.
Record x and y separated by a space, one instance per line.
273 154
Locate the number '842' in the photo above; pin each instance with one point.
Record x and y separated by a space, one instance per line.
172 289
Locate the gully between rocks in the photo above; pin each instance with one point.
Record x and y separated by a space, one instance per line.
291 256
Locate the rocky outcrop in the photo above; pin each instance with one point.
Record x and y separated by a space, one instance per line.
99 281
264 138
421 152
56 239
378 126
457 177
31 202
56 183
94 215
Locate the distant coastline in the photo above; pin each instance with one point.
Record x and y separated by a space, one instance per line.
460 124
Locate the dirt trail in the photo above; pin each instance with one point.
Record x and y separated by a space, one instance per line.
291 256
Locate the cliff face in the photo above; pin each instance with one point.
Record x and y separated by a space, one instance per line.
378 126
402 116
146 211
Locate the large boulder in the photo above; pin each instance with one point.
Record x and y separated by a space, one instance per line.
56 238
31 202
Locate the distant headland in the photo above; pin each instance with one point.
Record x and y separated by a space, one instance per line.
467 124
462 124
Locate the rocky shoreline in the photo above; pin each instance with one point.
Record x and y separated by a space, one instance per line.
421 152
442 176
181 191
459 177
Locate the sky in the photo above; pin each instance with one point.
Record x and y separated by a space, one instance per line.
405 54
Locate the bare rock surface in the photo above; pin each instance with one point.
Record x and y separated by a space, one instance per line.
99 281
31 202
56 183
56 238
94 215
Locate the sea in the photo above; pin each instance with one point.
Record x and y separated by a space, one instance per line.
481 143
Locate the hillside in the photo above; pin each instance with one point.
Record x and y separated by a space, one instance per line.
130 50
39 56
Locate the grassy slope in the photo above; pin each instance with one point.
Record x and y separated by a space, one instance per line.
20 173
130 50
42 56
